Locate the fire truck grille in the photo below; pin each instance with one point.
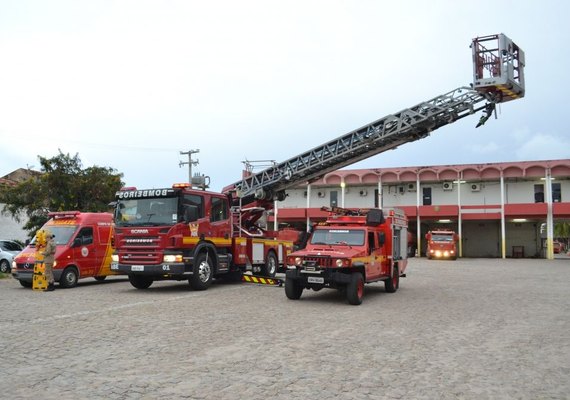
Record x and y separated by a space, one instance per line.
141 258
316 261
151 241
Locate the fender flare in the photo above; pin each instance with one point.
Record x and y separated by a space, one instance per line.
209 247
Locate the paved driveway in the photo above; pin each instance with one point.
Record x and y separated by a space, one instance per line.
469 329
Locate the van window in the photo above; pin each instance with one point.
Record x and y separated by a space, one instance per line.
85 236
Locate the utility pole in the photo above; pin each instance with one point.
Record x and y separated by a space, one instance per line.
190 162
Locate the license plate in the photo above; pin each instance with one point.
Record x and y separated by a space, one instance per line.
137 267
114 266
315 279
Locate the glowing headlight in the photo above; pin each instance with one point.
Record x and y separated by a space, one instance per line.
438 253
14 265
55 264
115 258
298 260
339 262
171 258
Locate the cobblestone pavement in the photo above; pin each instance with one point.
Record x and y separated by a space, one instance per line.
469 329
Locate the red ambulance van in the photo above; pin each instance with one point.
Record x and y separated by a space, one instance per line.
84 249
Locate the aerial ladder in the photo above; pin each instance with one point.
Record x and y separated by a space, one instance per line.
498 77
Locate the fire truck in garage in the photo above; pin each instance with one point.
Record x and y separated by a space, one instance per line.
182 233
442 244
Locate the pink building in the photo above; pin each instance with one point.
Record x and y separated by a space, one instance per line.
499 209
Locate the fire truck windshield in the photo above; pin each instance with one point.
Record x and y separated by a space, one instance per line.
147 211
442 238
339 237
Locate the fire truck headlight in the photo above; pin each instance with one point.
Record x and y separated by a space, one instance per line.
14 265
54 264
298 261
172 258
446 253
438 253
115 258
339 262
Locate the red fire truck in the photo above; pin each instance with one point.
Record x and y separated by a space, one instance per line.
442 244
182 233
348 250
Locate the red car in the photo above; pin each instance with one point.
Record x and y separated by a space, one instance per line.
558 247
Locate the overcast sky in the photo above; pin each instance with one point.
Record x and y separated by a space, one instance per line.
130 84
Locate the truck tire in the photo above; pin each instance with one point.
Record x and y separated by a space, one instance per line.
69 278
392 284
202 277
271 264
140 282
355 289
293 289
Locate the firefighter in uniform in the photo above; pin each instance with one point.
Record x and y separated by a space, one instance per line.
49 258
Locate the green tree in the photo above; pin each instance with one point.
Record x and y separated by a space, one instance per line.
63 186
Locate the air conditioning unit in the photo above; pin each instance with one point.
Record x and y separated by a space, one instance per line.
447 185
475 187
363 192
411 187
321 194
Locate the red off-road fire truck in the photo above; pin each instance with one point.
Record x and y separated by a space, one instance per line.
442 244
351 248
180 233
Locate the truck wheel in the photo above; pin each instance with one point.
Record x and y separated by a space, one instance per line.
293 289
270 267
140 282
4 266
69 278
202 277
355 289
392 284
25 284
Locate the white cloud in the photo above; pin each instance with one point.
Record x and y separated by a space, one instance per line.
487 148
129 84
544 147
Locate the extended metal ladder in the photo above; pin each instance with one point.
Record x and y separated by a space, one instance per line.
393 130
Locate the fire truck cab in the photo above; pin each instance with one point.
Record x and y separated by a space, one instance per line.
83 249
348 250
